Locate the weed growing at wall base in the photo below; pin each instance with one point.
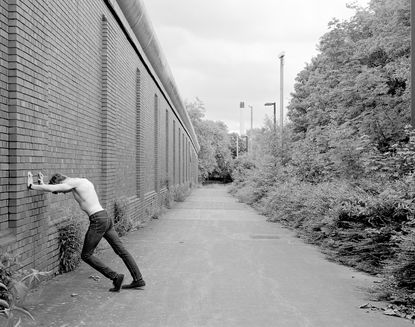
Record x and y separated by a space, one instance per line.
180 193
122 221
70 245
14 287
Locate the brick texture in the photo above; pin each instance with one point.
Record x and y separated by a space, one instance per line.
4 115
76 98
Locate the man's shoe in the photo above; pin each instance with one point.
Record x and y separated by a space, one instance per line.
135 284
117 282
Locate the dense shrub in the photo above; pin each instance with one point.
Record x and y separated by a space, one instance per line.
311 208
356 222
180 192
122 221
15 284
240 168
328 153
365 230
253 181
402 270
70 244
396 162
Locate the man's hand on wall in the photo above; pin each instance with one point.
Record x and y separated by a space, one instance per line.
40 178
29 180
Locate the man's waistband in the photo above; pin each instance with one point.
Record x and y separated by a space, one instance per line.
98 214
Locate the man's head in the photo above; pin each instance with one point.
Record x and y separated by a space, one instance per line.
57 178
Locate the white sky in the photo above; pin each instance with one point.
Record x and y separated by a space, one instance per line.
226 51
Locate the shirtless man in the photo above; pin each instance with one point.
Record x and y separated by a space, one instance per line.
100 226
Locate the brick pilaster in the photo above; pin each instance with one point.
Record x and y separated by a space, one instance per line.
28 119
109 113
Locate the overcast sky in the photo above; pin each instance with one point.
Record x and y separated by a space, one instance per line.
226 51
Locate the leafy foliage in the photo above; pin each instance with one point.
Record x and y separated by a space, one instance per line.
215 154
70 245
14 287
360 77
238 145
122 221
179 193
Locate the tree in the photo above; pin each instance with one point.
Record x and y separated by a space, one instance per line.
234 137
360 77
215 154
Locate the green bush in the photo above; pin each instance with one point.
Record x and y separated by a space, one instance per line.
15 284
240 168
395 162
122 221
328 153
70 245
355 223
180 192
253 182
311 208
401 268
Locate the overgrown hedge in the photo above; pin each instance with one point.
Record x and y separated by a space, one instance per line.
365 223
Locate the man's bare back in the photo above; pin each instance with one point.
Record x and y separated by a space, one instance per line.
84 193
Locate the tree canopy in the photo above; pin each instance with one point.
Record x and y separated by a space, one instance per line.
360 76
215 153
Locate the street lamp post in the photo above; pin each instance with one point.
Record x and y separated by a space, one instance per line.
281 57
275 118
252 117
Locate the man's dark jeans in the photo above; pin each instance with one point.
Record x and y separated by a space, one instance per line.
101 226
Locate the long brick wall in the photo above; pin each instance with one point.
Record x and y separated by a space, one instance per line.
78 96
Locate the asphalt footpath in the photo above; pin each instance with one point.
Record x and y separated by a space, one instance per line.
212 261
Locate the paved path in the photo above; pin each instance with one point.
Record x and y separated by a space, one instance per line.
212 261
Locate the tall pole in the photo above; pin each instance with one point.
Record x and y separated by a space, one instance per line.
241 118
252 117
281 56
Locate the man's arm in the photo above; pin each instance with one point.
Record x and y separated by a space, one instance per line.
63 187
41 186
